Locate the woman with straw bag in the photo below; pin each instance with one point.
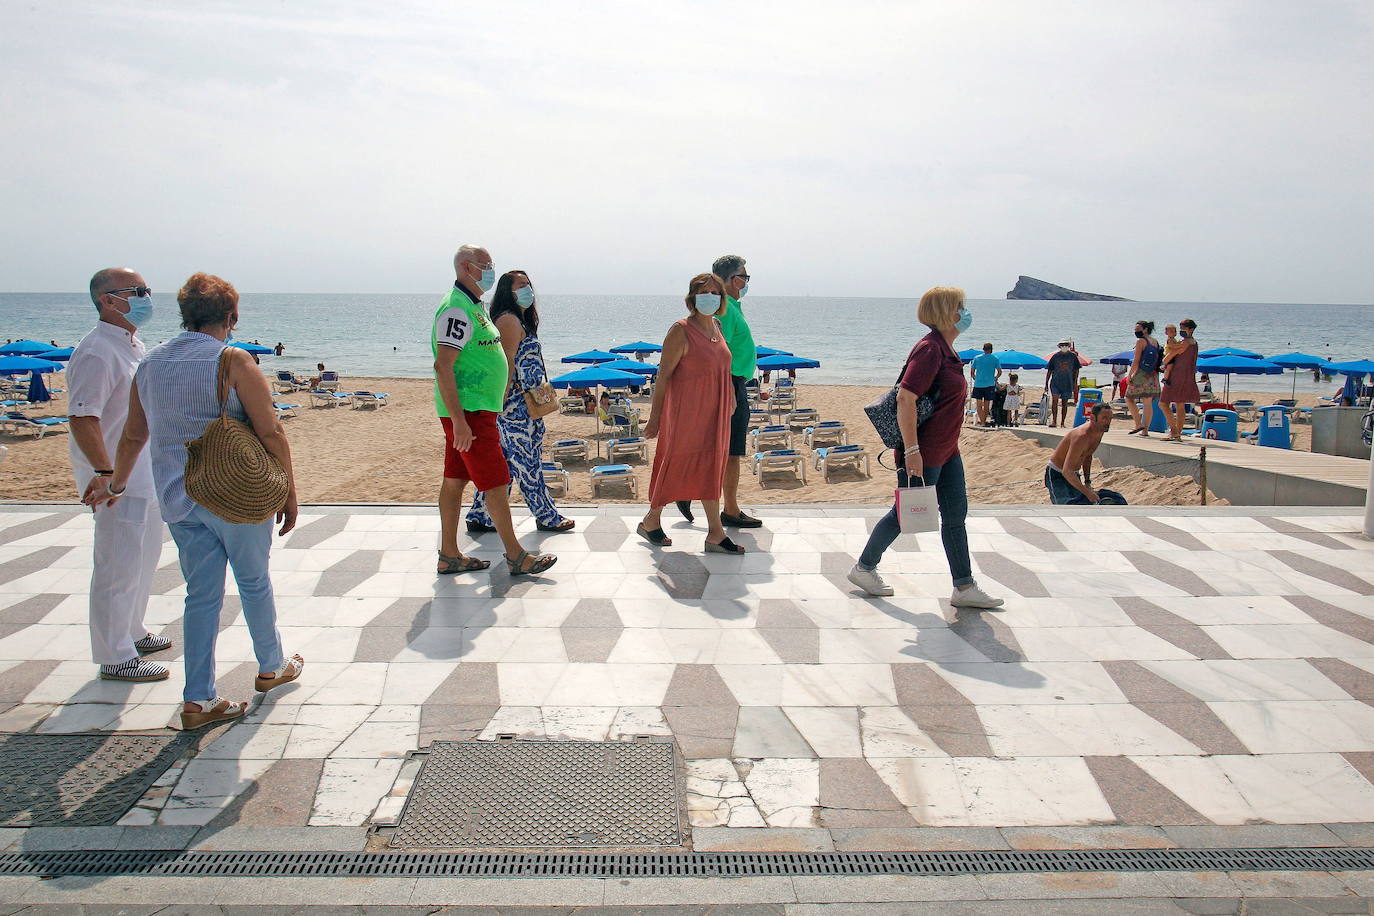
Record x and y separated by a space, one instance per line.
222 468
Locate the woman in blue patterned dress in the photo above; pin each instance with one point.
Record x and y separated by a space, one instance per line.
516 316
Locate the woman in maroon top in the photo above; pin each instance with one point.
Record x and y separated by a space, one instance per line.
933 460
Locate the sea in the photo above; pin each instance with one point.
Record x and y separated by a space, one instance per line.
858 341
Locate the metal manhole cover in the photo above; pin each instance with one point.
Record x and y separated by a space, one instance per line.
82 780
504 794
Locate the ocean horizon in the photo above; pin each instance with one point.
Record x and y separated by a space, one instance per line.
858 341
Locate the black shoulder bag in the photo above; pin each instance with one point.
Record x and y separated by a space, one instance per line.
882 413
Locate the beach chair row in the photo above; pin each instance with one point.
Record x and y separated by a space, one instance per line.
17 424
356 399
824 460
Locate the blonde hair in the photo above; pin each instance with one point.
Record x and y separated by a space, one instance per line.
940 306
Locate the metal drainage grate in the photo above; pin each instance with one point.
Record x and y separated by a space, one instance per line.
720 865
509 794
79 780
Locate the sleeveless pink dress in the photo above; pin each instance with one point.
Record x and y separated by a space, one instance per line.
694 432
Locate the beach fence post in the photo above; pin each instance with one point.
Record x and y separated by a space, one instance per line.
1202 471
1369 502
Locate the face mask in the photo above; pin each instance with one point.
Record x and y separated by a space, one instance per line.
140 310
707 303
488 279
524 296
1185 333
1063 348
744 289
1139 333
965 320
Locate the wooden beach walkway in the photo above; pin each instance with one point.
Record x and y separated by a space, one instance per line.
1248 475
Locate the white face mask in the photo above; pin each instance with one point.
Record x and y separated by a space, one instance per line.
707 303
1063 348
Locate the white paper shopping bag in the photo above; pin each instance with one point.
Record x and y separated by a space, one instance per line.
917 509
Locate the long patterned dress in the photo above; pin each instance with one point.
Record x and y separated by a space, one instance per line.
694 434
522 439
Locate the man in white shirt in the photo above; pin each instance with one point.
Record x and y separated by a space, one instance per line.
128 535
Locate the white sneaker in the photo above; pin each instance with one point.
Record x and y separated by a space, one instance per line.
869 581
973 596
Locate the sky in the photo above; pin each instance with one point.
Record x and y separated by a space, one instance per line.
1183 150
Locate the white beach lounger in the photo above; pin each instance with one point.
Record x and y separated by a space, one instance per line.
369 399
779 461
829 432
803 417
322 398
841 456
570 450
611 476
570 404
556 478
38 427
769 437
631 447
285 410
329 380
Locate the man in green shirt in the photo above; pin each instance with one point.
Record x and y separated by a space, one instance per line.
743 364
470 378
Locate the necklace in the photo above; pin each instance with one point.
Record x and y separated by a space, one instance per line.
714 337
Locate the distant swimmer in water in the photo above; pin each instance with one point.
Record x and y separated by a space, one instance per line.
279 349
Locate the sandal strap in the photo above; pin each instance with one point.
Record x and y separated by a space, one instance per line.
210 704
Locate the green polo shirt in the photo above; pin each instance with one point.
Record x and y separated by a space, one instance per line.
744 357
481 371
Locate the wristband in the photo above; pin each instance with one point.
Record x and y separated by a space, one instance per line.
109 473
109 488
914 448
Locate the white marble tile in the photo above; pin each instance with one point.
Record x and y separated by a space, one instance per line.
521 721
1288 641
1254 610
245 741
1071 730
1074 644
578 723
1248 679
716 797
631 721
1042 682
785 791
1295 727
208 785
889 732
929 787
832 731
375 740
810 685
350 790
887 646
316 731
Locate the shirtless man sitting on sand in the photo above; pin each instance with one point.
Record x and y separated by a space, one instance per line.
1067 486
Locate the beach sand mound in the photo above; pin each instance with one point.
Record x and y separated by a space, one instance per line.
392 455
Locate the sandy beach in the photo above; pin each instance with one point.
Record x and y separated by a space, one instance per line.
391 454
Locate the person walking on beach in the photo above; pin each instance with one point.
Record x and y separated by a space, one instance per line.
1068 475
175 394
1143 379
694 399
744 363
128 541
986 370
471 376
1061 381
1180 380
515 312
932 459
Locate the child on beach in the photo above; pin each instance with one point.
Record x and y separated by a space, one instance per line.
1012 405
1172 344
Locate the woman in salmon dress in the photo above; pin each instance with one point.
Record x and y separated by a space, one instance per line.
693 400
1180 381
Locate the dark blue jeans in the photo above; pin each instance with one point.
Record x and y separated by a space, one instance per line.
950 492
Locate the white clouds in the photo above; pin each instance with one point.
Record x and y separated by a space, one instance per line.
1214 150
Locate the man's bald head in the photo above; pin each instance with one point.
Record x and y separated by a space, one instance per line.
112 278
471 254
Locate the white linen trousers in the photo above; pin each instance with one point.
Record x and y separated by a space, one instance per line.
128 542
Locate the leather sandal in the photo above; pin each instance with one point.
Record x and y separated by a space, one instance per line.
566 525
288 672
654 536
725 545
450 565
538 562
216 709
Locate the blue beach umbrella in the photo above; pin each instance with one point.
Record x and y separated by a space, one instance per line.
60 355
38 392
770 351
1124 358
595 376
255 349
591 356
1229 351
630 365
967 356
639 346
1018 359
1237 365
780 361
1297 361
1353 367
13 365
24 348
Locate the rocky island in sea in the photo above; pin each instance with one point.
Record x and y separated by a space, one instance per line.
1031 288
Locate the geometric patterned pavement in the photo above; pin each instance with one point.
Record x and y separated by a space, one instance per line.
1160 668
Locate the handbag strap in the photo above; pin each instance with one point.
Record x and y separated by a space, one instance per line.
222 385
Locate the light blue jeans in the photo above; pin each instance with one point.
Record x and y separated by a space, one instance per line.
205 543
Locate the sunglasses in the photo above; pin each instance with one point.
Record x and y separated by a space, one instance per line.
139 291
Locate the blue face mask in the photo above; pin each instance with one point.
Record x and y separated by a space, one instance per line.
707 303
744 289
524 296
488 279
965 321
140 310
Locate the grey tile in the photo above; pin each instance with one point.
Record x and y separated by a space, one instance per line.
1303 906
1010 574
1170 627
658 891
305 839
1033 534
1288 884
987 633
1165 532
30 610
442 722
45 839
886 888
350 572
1134 837
33 526
1136 797
782 614
596 613
317 532
30 563
1337 618
471 683
1355 681
16 683
1294 530
282 797
697 685
916 839
1109 885
590 644
167 578
703 731
1175 708
853 795
682 575
1257 835
1324 571
942 712
1170 573
761 839
793 645
765 731
1354 834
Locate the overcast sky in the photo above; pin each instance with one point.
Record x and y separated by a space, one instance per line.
1165 150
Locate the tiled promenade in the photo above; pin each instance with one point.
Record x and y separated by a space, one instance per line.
1158 677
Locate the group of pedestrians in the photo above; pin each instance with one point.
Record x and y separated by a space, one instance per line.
1176 362
134 413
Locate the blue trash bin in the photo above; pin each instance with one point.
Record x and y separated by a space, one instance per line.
1222 425
1159 420
1086 397
1273 427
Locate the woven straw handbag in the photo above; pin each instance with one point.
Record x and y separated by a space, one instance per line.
229 472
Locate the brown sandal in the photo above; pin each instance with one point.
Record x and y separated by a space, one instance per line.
460 564
288 672
216 709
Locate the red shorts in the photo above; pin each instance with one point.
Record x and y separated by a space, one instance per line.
484 463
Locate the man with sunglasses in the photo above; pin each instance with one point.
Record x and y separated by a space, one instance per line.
128 535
